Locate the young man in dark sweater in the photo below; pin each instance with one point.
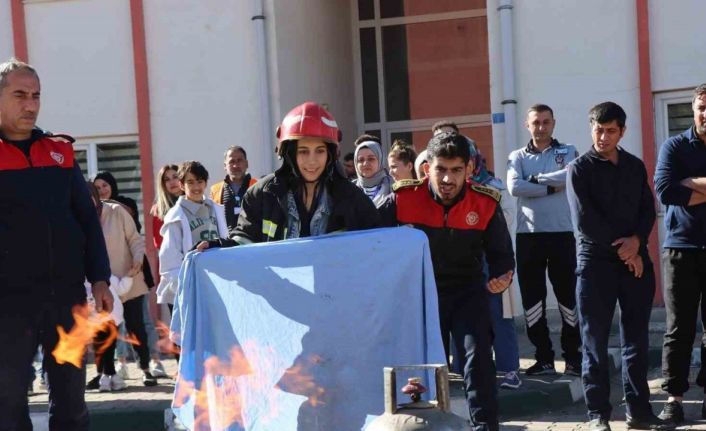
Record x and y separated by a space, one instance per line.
612 211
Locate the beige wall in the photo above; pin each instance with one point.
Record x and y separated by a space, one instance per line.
314 61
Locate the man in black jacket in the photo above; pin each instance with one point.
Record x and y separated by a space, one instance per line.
612 211
50 242
465 226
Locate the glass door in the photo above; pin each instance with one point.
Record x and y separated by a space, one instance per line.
419 62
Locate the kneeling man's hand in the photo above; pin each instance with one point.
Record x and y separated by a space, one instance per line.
497 285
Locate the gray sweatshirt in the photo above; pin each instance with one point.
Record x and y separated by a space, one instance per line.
539 210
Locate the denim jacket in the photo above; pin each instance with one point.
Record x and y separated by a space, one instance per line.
319 221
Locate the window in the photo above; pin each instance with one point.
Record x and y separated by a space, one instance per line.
421 61
120 157
673 114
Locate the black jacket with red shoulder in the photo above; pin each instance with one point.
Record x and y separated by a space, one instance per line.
50 234
459 234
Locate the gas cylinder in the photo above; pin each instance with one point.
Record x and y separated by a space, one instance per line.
418 415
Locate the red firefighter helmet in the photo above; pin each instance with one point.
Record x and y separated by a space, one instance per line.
308 120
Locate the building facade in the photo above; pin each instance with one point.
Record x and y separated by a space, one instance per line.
142 83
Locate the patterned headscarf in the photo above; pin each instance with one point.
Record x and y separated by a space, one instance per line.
480 171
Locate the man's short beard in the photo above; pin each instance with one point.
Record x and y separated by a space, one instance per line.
701 130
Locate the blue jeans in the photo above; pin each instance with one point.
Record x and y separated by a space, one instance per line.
507 355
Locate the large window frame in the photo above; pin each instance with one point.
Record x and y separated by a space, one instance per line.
388 127
90 145
662 101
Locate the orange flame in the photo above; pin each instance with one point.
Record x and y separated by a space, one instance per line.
227 385
131 339
72 345
164 344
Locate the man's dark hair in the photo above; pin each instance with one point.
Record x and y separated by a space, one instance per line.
365 137
444 123
698 91
194 168
540 107
235 148
606 112
348 157
449 146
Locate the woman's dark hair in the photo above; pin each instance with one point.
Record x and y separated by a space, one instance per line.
112 182
93 191
129 203
295 181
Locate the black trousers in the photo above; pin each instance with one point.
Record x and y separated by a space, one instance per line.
685 285
602 284
466 315
20 334
105 354
135 324
553 253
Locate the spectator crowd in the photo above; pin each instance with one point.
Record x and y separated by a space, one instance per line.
582 221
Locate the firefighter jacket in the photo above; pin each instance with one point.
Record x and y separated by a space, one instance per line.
264 216
50 234
459 234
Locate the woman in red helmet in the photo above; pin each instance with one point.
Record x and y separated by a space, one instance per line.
308 195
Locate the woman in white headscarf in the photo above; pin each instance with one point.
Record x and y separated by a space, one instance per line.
373 178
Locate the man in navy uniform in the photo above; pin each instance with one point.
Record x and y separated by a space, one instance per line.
50 242
463 222
612 210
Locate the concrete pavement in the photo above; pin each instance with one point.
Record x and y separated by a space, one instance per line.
547 402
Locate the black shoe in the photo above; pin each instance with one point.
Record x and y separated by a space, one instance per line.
672 412
649 423
572 369
93 384
541 369
599 424
148 379
703 409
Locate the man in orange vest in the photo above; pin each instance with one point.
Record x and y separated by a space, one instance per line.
231 190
